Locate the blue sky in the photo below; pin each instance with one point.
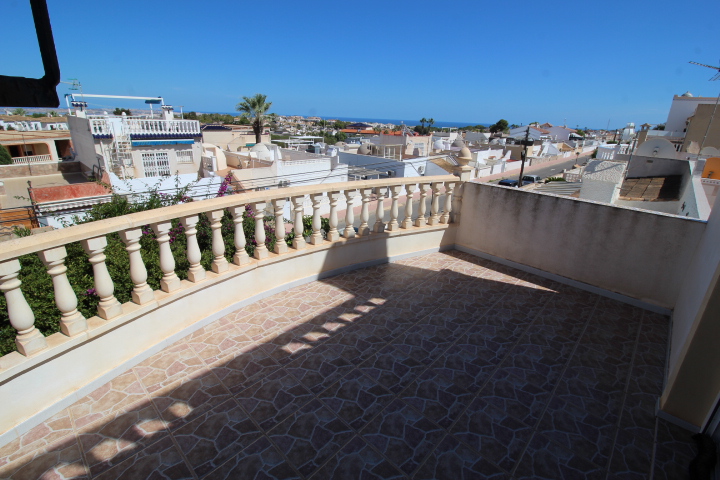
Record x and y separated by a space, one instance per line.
465 61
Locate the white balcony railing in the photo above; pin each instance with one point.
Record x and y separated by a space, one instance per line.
99 126
141 126
162 127
32 159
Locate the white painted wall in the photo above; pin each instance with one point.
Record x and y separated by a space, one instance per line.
682 108
644 255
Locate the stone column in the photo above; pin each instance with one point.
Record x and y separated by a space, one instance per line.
333 235
380 212
449 188
409 190
316 237
298 227
72 322
29 340
142 293
393 224
196 272
364 228
108 307
279 206
421 220
169 281
241 257
220 263
465 173
349 231
261 250
435 206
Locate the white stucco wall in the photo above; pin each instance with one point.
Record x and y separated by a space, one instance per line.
643 255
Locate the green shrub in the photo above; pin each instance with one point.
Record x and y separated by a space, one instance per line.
554 179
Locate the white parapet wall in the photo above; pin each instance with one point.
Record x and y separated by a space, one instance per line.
635 253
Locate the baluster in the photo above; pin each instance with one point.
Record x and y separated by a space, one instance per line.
364 228
29 340
196 272
241 257
220 263
393 224
261 250
72 322
449 188
435 206
421 220
280 245
380 211
142 293
299 227
407 222
316 238
333 235
349 231
108 307
169 281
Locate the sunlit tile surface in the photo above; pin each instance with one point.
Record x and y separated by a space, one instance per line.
440 366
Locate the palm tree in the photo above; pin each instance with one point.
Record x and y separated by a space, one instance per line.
255 109
423 121
431 122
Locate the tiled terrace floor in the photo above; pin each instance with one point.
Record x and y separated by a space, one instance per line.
441 366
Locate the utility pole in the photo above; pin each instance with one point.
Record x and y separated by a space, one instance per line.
523 156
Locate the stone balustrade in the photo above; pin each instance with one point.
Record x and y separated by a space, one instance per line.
50 246
32 159
100 126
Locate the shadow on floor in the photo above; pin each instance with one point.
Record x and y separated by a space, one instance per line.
441 366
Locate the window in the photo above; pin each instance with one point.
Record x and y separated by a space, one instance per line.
156 164
184 156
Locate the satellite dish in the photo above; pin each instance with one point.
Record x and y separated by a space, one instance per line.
657 147
710 152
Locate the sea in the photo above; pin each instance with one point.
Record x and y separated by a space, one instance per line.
395 121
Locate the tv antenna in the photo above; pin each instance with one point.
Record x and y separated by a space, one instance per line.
714 77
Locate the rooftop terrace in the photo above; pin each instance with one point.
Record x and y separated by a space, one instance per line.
439 366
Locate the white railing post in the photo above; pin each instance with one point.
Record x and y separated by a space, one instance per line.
349 231
241 257
316 238
407 222
380 210
261 250
364 228
280 245
299 240
333 235
196 272
109 307
142 293
72 321
449 189
29 340
170 281
421 220
435 206
393 224
220 263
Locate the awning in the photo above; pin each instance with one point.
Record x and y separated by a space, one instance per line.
152 143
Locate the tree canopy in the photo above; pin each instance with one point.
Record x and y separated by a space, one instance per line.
120 111
500 126
5 158
255 109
